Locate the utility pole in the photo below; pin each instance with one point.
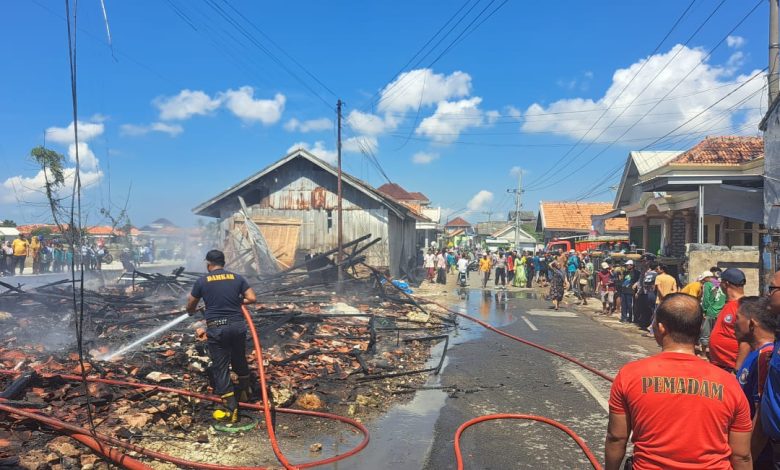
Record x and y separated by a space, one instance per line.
518 203
340 228
774 47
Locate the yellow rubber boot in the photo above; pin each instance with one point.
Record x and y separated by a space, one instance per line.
230 413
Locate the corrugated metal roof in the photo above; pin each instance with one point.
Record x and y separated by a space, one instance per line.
647 161
207 208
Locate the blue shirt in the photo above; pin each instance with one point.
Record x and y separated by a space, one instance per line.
537 263
748 377
573 263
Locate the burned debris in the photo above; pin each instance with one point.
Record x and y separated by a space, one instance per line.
345 348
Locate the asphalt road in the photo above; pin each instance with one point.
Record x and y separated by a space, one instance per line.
494 374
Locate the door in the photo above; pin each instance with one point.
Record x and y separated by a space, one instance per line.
637 235
653 239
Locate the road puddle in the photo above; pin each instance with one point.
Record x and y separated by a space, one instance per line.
402 437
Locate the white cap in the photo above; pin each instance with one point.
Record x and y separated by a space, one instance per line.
631 262
703 275
604 265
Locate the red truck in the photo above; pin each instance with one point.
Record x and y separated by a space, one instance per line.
588 243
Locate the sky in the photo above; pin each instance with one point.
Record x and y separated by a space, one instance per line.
455 99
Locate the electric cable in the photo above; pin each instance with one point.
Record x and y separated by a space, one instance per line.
623 90
699 63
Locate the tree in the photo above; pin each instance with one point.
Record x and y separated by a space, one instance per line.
7 223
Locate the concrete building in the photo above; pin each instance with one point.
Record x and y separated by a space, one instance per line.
302 187
662 194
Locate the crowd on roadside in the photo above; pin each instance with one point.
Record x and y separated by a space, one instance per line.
729 402
45 255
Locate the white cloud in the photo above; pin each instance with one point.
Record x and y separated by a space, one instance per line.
704 86
492 116
31 189
242 103
423 158
450 119
87 159
371 124
186 104
423 87
735 42
516 170
64 135
512 111
312 125
135 129
360 143
480 200
318 150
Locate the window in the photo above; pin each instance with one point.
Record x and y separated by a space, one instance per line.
706 236
749 235
717 234
330 220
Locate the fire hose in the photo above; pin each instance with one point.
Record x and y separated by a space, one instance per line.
105 445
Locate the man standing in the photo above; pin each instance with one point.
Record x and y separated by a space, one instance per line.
712 301
21 250
680 411
224 294
500 270
430 265
664 284
605 286
572 265
627 287
484 269
725 351
35 251
756 326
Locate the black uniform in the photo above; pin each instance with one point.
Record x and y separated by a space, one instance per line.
223 293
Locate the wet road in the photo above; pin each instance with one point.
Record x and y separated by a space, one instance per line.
496 375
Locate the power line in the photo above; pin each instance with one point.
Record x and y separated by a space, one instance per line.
641 67
701 61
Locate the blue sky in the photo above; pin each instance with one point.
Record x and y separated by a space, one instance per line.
187 105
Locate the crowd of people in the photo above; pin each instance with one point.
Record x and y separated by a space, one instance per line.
720 412
50 255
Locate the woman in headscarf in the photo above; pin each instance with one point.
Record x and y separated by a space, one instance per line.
520 278
558 284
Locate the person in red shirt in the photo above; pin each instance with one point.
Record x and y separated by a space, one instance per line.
681 412
725 351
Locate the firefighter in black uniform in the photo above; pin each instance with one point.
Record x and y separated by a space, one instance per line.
224 293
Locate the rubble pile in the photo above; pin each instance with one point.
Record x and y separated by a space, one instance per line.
348 353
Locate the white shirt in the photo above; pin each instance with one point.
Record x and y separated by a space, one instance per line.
463 265
430 261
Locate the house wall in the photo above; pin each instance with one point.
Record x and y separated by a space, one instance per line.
747 260
303 191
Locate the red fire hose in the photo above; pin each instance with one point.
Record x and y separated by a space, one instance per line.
99 442
580 442
81 433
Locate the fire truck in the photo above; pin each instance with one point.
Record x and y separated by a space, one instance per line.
589 243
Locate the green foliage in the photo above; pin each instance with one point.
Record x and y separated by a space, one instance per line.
52 163
7 223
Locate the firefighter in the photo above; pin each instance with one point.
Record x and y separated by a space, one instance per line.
224 294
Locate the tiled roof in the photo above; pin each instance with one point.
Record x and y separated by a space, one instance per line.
100 230
458 222
560 215
728 150
419 197
395 191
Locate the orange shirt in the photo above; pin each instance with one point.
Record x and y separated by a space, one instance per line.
723 339
681 410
